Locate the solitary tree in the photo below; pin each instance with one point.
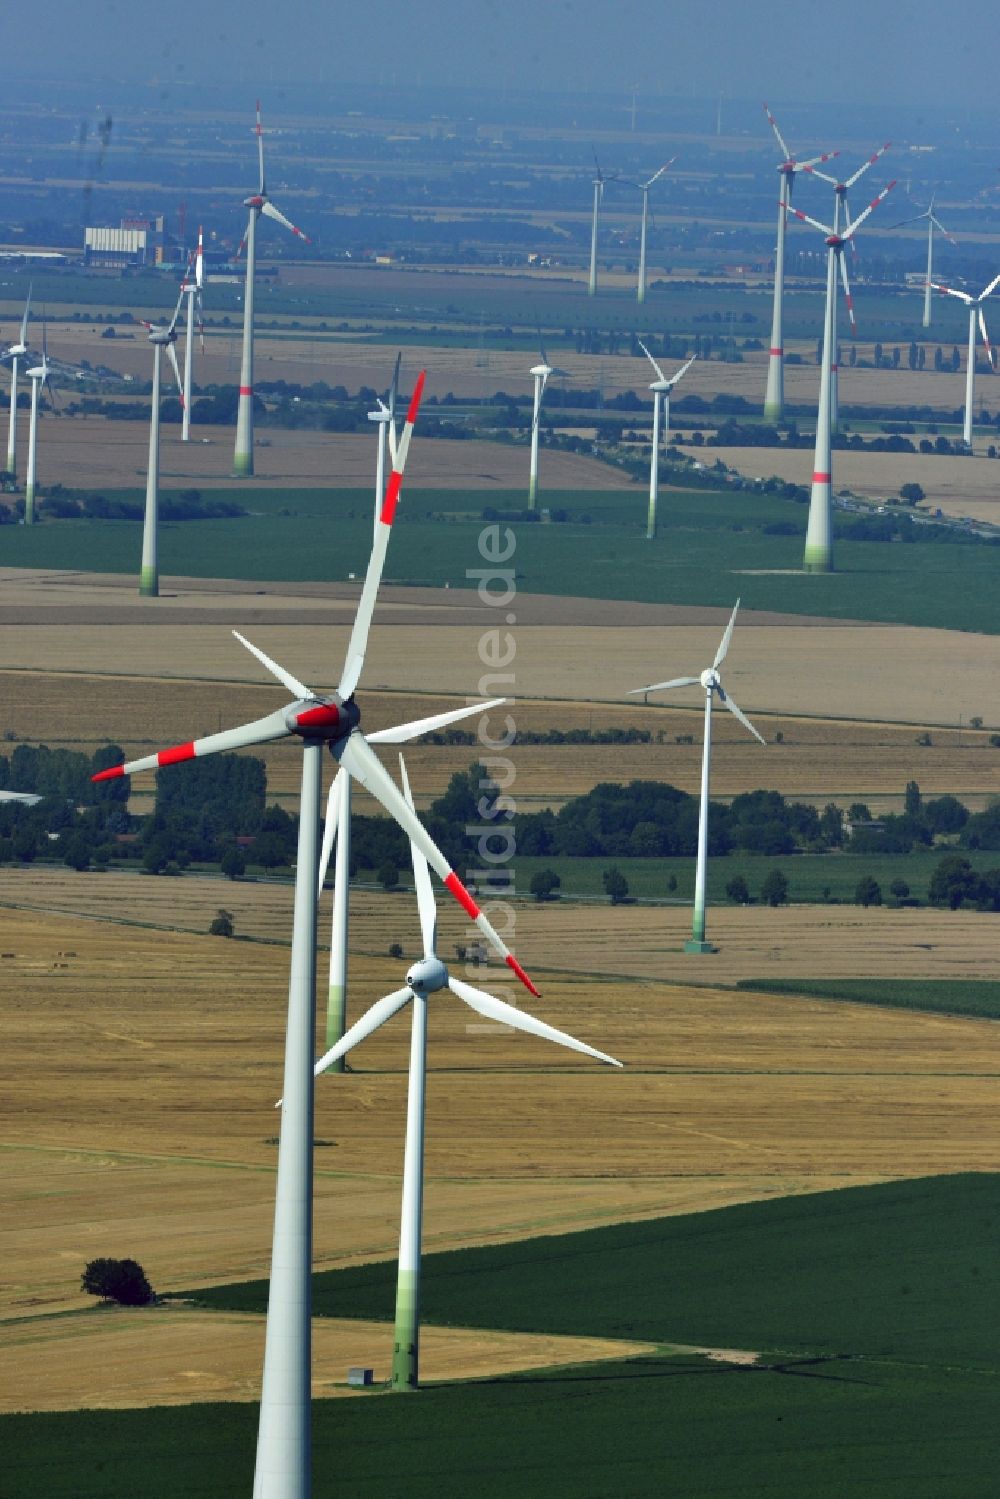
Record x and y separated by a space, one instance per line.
867 892
388 876
899 890
544 884
737 891
616 886
774 891
234 862
223 924
123 1281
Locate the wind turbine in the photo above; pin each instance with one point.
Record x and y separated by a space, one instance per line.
283 1442
599 181
191 287
258 203
841 217
933 222
819 532
426 977
336 1005
38 376
711 683
14 353
541 372
661 388
774 399
161 336
644 189
975 306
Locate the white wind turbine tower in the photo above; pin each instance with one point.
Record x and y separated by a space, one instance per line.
975 306
161 336
661 388
644 189
258 203
841 217
774 399
933 222
38 376
426 977
336 1005
819 532
283 1464
711 682
14 353
191 287
541 373
599 182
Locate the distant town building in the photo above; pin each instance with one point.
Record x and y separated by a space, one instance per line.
136 242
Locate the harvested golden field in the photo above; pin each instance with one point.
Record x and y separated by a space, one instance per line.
958 486
95 453
911 675
170 1355
143 1068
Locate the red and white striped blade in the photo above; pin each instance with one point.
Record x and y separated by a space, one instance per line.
815 161
938 225
404 732
798 214
852 228
269 209
358 643
260 150
200 306
261 731
847 295
778 136
357 757
866 164
495 1009
329 828
990 289
986 337
823 176
953 291
381 1011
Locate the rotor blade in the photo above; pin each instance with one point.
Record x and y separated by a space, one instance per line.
242 244
260 731
329 829
659 373
853 228
660 173
915 220
199 261
986 337
27 309
269 209
404 732
260 150
953 291
720 654
662 686
847 295
172 356
381 1011
682 371
866 164
938 225
200 308
991 288
824 176
426 904
177 312
357 645
358 757
774 126
809 166
295 687
495 1009
738 713
798 214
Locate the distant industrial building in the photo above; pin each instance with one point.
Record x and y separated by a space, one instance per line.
136 242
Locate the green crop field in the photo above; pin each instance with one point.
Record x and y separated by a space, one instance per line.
874 1310
707 542
980 997
808 875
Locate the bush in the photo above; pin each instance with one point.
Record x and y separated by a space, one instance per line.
388 876
395 949
737 891
774 891
616 886
868 892
123 1281
222 925
544 884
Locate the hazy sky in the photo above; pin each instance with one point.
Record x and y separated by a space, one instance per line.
856 50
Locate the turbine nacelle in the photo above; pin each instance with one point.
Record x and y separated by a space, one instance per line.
16 350
257 201
427 976
326 718
710 680
542 371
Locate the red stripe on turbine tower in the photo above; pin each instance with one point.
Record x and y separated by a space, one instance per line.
246 390
777 351
819 478
175 755
515 965
458 890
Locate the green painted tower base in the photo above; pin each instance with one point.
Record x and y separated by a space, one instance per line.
149 583
693 945
243 466
335 1026
406 1346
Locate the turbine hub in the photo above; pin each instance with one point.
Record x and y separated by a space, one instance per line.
834 241
327 718
257 201
427 976
710 679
